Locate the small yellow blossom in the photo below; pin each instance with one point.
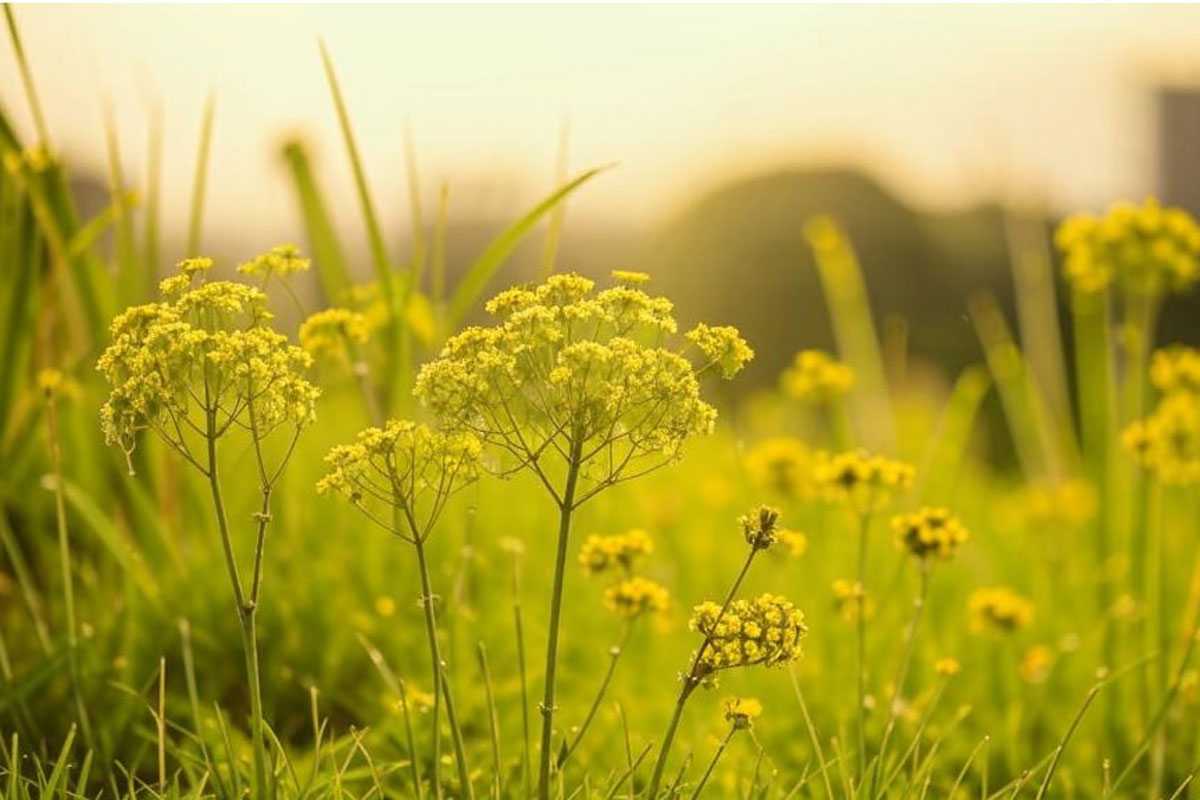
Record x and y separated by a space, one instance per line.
850 600
602 553
999 609
1036 663
795 543
633 597
1176 369
630 278
723 346
740 712
783 465
930 532
817 377
385 606
1167 443
332 331
947 667
279 261
862 481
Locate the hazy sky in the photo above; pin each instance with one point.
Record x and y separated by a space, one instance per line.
947 103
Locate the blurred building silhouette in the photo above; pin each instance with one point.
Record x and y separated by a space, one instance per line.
1178 110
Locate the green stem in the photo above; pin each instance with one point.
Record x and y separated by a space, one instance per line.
245 611
560 563
861 637
440 690
713 764
692 680
614 656
905 663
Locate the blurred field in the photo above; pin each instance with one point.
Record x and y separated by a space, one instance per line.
121 672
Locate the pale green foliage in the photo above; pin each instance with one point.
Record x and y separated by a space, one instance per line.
573 376
201 363
402 466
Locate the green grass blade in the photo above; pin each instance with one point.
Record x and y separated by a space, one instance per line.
128 281
558 216
323 243
195 238
151 236
35 106
475 281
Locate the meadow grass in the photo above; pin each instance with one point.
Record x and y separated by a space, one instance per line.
953 626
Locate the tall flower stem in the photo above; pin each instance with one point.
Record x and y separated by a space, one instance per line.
861 630
614 656
691 681
902 675
440 688
246 611
566 507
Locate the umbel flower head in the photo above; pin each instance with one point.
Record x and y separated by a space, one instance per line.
999 609
766 630
783 465
1176 369
280 261
930 532
1146 248
1167 443
401 475
618 551
817 377
571 378
633 597
200 363
760 527
862 481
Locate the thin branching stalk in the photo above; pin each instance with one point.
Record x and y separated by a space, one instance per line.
861 642
493 721
200 180
902 674
713 763
614 655
812 735
519 633
692 680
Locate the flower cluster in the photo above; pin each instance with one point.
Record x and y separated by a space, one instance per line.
1069 502
783 465
279 261
930 532
1168 441
740 712
200 363
817 377
603 553
795 543
579 379
947 667
760 527
766 630
999 609
862 481
402 467
635 596
1176 369
1145 248
333 332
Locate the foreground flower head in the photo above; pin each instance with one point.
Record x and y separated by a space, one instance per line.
815 376
402 466
618 551
571 375
862 481
740 712
636 596
930 532
1167 443
999 609
1145 248
202 362
766 630
783 465
760 527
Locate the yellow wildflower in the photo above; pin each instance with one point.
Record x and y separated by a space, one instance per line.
1176 369
759 527
850 600
633 597
795 543
766 630
1036 663
740 712
1167 442
817 377
999 609
947 667
332 331
602 553
929 532
861 481
781 464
